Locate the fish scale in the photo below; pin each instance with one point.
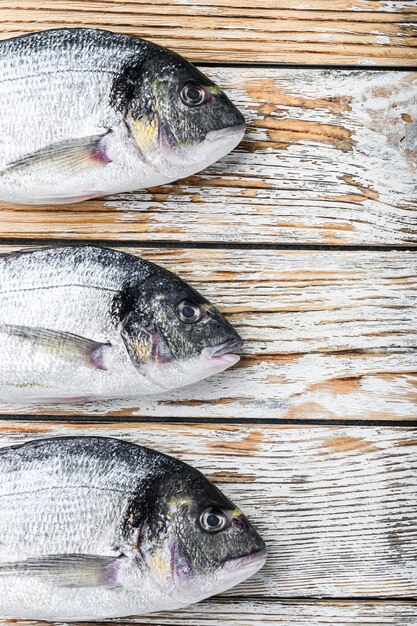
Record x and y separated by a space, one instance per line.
97 489
56 278
46 495
43 79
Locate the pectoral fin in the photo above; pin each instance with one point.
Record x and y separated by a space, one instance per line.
69 156
69 570
68 346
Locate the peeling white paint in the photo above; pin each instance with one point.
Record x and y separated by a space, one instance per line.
383 40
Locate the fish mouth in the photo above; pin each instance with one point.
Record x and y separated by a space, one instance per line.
227 348
254 559
226 133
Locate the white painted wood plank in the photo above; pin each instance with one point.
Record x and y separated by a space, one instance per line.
328 335
336 506
330 157
242 612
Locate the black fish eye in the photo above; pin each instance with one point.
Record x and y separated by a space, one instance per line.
189 312
213 520
193 95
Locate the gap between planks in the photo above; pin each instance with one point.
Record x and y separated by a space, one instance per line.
33 243
123 419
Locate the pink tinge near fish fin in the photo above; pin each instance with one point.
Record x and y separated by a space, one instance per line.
99 155
97 356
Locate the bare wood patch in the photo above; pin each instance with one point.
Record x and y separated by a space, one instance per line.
353 32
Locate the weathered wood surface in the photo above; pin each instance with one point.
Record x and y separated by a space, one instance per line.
368 32
336 506
246 612
329 335
330 157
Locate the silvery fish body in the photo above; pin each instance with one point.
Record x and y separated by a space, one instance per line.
81 323
88 113
93 528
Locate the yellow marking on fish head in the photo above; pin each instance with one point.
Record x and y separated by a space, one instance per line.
143 347
145 130
159 565
177 503
215 90
237 513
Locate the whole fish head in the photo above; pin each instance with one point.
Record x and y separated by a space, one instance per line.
194 540
182 122
173 335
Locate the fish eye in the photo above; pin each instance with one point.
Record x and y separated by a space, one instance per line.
213 520
189 312
193 95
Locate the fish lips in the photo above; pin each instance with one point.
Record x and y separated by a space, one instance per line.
255 560
226 351
230 132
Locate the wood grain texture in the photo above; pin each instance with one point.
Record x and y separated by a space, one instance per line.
330 157
246 612
336 506
313 31
329 335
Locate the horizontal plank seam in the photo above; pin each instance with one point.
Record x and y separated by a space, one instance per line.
208 245
307 66
130 10
318 600
80 419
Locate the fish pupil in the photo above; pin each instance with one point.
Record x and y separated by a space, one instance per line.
188 311
213 520
193 93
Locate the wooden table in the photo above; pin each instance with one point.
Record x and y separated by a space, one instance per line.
305 236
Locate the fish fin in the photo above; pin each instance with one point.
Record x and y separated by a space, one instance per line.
66 345
59 198
68 570
70 155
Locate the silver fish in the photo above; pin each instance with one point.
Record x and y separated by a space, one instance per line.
81 323
87 113
93 528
